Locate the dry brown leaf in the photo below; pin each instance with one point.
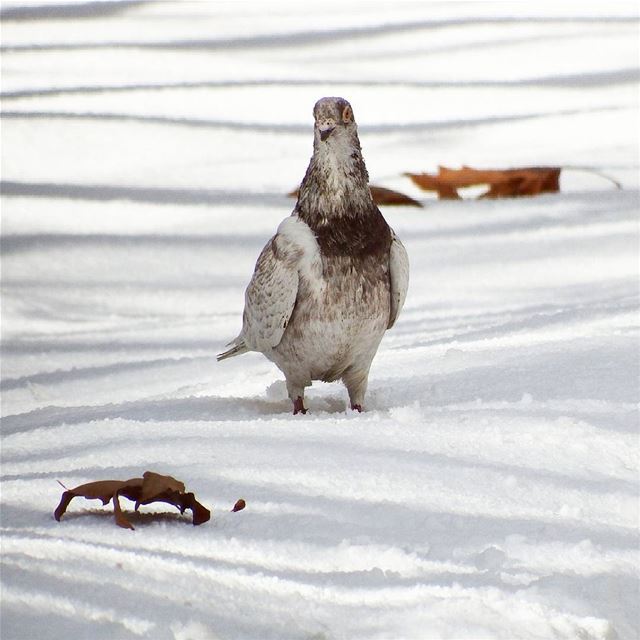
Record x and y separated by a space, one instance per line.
120 518
430 182
155 485
502 183
239 506
152 487
383 196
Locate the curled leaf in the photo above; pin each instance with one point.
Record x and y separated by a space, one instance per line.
382 195
152 487
120 518
155 485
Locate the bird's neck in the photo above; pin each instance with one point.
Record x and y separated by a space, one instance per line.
335 201
336 184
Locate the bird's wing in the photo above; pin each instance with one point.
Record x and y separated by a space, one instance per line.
399 274
271 294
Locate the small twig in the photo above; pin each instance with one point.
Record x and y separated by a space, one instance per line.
60 483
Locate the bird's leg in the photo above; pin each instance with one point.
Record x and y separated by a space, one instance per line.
356 383
296 394
298 406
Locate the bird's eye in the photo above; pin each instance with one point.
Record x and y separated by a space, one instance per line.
347 114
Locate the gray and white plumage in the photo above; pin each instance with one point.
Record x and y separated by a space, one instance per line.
334 277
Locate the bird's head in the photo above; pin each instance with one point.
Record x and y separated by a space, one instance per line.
336 181
334 120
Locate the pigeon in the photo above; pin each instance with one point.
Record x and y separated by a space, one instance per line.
333 278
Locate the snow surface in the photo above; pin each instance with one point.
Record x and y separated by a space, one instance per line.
490 490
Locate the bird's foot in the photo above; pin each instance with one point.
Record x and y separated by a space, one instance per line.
298 406
357 407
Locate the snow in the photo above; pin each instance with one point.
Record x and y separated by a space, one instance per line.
489 490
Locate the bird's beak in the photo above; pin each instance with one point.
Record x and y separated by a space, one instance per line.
325 132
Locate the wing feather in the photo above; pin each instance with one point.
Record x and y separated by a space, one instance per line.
271 295
399 275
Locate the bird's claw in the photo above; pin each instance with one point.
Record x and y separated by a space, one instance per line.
298 406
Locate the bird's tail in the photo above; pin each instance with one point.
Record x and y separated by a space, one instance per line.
237 349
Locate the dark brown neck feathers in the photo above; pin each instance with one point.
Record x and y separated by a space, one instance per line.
335 201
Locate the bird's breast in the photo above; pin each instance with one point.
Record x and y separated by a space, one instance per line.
348 290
